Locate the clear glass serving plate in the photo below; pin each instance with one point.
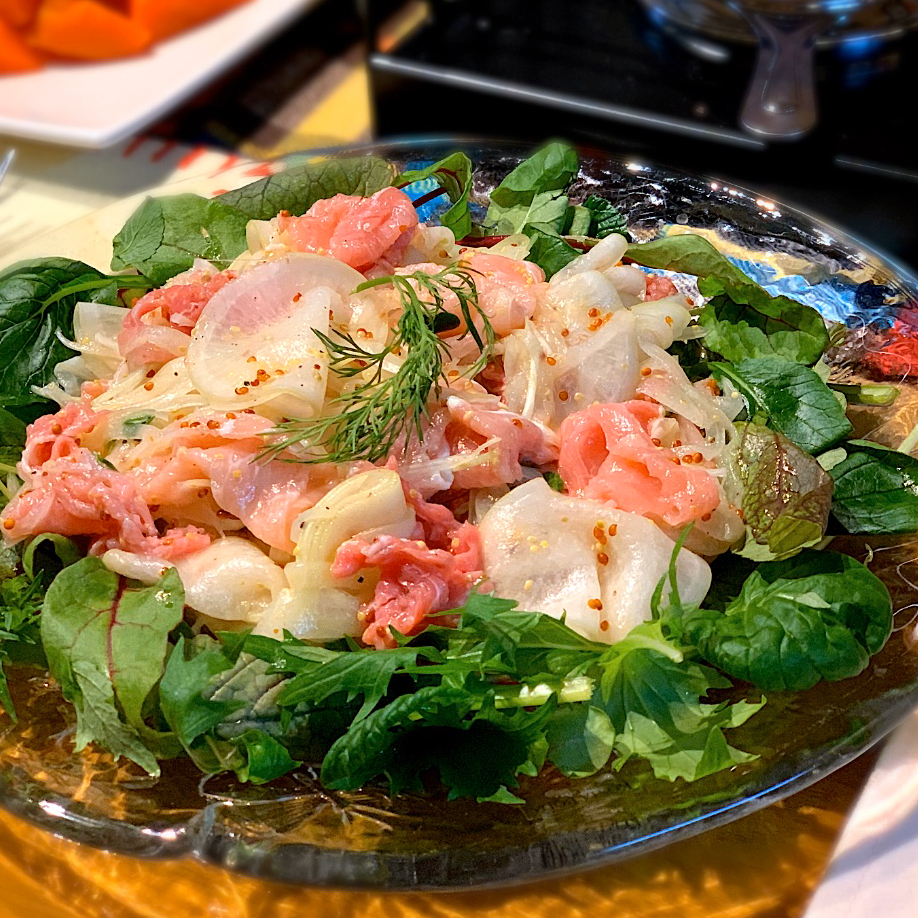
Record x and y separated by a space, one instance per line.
296 831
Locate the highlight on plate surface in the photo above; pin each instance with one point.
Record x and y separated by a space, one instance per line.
36 32
305 481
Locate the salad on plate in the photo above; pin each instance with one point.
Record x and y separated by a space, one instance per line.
345 469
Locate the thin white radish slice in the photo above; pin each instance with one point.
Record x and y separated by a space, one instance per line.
256 341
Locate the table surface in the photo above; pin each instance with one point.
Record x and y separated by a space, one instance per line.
764 866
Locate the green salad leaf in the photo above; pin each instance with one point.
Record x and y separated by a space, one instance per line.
548 250
789 397
687 253
549 169
454 175
818 615
876 489
106 645
605 219
742 320
37 300
164 236
785 494
298 187
549 209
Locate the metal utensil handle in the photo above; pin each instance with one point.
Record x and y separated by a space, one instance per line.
781 100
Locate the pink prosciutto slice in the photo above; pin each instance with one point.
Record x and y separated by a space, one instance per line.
508 289
210 465
362 232
158 327
75 495
56 436
432 572
608 454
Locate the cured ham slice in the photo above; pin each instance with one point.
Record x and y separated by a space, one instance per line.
206 467
582 559
316 605
475 442
361 232
431 572
75 495
59 435
508 288
608 453
158 327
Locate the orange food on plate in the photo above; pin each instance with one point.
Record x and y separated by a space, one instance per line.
15 55
35 31
18 13
86 30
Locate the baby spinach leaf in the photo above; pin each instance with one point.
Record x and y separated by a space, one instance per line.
106 643
605 219
549 169
165 235
785 494
818 615
790 398
265 757
745 321
742 319
532 195
580 739
454 175
36 304
549 209
12 431
548 250
687 253
12 440
297 188
876 489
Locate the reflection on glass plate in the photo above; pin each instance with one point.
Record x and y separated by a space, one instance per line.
295 830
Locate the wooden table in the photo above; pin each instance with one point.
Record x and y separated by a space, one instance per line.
763 866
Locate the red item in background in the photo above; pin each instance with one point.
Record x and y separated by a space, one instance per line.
898 357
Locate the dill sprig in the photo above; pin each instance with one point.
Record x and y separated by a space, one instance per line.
367 421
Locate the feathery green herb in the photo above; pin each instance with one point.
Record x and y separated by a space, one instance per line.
369 420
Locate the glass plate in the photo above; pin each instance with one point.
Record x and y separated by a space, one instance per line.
294 830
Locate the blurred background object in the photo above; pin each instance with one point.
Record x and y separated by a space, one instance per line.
665 80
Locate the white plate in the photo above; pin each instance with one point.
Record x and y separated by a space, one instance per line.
96 105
